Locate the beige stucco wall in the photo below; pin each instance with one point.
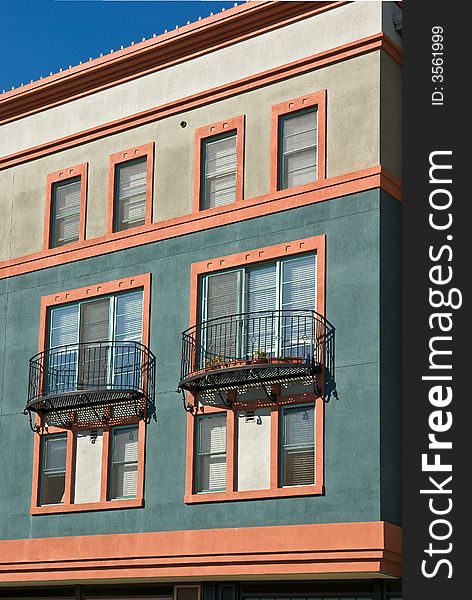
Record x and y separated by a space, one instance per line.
353 143
306 37
391 115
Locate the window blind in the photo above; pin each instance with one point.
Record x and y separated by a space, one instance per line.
129 317
211 453
131 195
66 218
94 327
223 298
261 296
298 282
125 462
220 171
128 328
62 363
299 149
298 446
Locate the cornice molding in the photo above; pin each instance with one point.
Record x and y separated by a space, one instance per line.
301 551
316 61
196 39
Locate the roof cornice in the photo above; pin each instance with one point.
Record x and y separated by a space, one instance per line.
198 38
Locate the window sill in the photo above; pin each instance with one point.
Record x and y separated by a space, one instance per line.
303 490
87 506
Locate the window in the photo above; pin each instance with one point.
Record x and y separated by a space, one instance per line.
131 188
65 207
66 213
87 333
298 446
88 450
77 333
211 453
130 195
283 285
298 149
219 155
219 177
53 469
124 463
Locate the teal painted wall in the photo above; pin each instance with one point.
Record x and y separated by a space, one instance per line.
353 456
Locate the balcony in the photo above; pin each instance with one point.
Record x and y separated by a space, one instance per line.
257 349
91 384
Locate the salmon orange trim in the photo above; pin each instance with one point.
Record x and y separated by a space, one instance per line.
235 124
320 191
316 100
145 151
160 52
80 171
294 551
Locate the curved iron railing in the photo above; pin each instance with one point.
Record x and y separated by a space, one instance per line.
80 377
276 337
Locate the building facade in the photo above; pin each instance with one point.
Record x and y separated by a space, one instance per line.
200 314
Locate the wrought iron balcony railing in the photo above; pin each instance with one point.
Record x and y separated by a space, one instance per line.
255 348
92 383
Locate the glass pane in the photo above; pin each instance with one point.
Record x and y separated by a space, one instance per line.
220 190
212 434
66 230
66 219
299 467
298 294
124 478
53 487
220 172
64 326
55 453
262 296
300 131
212 473
299 426
300 167
125 444
220 155
298 446
131 195
129 317
221 340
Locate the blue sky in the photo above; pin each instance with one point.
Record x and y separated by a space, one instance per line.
40 36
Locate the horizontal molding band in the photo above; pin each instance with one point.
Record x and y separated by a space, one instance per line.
319 191
188 42
305 65
303 550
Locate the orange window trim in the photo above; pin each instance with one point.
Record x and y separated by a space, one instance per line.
208 131
143 151
92 291
316 244
317 99
58 177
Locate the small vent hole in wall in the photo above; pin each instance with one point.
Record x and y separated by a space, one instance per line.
250 416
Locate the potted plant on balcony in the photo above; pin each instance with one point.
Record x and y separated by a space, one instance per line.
215 362
259 357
